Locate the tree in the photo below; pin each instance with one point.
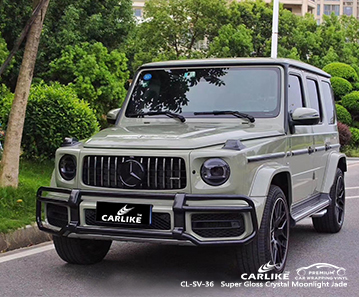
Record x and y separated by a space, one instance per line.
70 23
232 42
97 75
9 170
176 29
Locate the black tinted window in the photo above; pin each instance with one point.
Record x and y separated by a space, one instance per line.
328 102
251 90
314 95
295 93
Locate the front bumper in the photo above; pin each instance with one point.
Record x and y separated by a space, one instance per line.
179 208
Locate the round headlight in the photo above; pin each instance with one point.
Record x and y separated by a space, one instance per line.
67 167
215 172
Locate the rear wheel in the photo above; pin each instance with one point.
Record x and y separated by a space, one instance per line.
81 251
333 220
271 243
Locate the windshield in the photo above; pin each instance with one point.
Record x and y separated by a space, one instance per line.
251 90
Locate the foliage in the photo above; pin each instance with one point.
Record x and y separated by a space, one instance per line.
343 115
176 29
97 76
355 136
232 42
17 206
351 103
53 112
69 23
342 70
340 87
344 134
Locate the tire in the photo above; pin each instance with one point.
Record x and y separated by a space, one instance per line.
333 220
81 251
271 243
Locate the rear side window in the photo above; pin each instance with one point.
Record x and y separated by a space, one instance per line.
295 93
328 102
313 94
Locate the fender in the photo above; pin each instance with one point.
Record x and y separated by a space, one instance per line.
263 178
334 160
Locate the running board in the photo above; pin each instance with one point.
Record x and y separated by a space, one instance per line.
310 206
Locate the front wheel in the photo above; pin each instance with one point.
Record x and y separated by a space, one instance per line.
333 220
268 251
81 251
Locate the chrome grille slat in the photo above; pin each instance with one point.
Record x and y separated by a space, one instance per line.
161 173
116 167
148 172
101 172
156 174
164 173
109 171
95 172
171 174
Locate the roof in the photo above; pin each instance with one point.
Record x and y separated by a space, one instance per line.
235 62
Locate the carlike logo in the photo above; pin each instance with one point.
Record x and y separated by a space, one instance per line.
124 210
266 267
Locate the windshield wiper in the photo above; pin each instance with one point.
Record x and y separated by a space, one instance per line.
153 113
231 112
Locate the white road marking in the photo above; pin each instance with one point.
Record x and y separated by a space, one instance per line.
27 252
351 188
352 197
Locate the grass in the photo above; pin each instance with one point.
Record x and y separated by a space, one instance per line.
351 151
17 206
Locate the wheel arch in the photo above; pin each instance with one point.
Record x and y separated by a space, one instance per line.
335 160
268 175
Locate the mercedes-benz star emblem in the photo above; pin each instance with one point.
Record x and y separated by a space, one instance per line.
131 173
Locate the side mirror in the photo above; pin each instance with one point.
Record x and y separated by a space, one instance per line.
303 116
112 115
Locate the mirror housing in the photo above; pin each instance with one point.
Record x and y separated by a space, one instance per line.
303 116
112 115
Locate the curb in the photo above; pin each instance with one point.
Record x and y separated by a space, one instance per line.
22 237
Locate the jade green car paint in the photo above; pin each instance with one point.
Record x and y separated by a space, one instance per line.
185 152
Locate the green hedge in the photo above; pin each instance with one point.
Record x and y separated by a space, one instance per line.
355 136
351 103
53 112
343 115
340 87
342 70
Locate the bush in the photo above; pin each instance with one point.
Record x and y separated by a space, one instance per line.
355 136
96 75
340 87
343 115
351 103
342 70
344 134
53 112
356 86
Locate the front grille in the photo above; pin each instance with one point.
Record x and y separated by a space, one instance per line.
160 221
160 173
210 225
56 215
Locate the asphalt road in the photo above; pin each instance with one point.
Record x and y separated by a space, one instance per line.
132 269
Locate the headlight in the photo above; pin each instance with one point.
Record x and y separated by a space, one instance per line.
67 167
215 172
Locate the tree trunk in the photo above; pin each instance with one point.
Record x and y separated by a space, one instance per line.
9 173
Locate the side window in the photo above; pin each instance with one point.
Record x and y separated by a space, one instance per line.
295 93
313 94
328 102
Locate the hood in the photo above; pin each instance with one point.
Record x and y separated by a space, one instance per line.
179 136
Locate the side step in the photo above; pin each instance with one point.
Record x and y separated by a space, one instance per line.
310 206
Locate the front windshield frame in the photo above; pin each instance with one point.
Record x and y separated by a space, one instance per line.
260 114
